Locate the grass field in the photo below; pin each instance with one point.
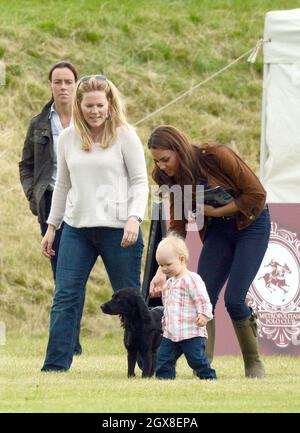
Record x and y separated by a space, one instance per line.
97 382
153 50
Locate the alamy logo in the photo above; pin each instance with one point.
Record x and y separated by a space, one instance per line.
2 73
275 292
116 202
2 334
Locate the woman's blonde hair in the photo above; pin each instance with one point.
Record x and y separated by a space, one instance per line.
116 110
177 243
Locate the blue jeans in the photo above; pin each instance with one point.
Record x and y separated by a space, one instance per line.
194 352
79 249
53 261
236 255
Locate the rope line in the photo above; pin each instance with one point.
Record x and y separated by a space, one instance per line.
251 58
187 92
10 189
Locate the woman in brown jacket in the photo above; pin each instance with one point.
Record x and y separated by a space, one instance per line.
235 236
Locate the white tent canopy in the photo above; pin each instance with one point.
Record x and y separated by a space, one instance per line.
280 138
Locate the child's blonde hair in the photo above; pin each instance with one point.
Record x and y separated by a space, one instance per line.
177 243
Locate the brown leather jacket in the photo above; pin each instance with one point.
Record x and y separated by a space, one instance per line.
225 168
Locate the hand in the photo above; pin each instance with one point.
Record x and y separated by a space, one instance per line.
211 211
201 320
157 284
228 209
47 242
131 233
208 210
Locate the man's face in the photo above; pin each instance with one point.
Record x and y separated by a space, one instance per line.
62 85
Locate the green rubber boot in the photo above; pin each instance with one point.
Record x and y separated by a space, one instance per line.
246 332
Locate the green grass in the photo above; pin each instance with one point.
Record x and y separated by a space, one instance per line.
97 382
153 50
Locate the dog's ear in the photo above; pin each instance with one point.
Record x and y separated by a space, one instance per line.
122 320
142 309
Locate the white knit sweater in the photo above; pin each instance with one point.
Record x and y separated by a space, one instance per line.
100 188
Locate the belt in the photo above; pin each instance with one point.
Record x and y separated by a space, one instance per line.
230 217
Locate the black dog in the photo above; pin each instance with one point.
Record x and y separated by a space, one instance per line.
142 326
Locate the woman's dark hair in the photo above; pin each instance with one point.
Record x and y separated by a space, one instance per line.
63 64
168 137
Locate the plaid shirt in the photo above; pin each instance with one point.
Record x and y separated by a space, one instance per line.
184 299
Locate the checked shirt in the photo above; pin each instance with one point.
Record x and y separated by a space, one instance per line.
184 298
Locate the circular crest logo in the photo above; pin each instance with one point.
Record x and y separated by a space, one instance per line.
275 292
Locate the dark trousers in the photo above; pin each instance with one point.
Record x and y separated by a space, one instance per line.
53 261
79 249
44 227
236 255
194 352
55 246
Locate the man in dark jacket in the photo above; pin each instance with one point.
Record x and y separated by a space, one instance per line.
38 167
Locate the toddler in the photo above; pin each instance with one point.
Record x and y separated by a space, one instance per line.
187 309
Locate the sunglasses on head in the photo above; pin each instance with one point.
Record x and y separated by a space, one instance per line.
88 77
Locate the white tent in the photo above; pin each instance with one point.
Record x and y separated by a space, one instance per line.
280 138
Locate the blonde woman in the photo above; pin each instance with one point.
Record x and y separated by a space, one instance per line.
101 195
